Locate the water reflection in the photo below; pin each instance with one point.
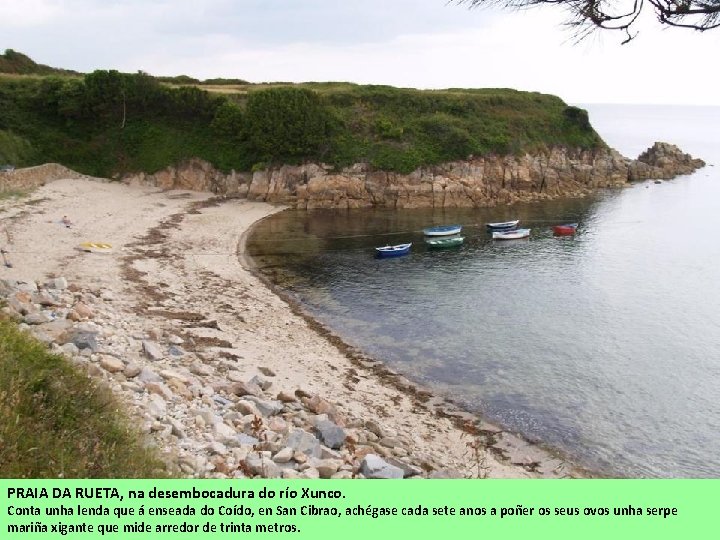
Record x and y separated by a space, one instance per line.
588 342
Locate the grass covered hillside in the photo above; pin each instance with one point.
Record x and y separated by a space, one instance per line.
18 63
57 423
106 123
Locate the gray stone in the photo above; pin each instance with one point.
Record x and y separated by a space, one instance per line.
70 349
267 408
178 429
261 381
216 447
174 350
133 369
224 431
152 350
147 375
326 467
44 298
284 455
390 442
247 407
373 466
88 328
200 369
42 336
36 318
244 438
407 468
302 441
221 400
160 389
262 466
156 406
242 388
57 328
85 340
331 434
59 283
26 286
310 473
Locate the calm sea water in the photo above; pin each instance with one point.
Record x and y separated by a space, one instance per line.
605 345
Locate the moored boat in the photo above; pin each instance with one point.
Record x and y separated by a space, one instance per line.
442 243
503 225
442 230
392 251
565 230
511 235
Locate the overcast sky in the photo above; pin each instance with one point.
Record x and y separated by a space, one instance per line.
410 43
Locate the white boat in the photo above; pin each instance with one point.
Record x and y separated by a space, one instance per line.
443 230
511 235
503 225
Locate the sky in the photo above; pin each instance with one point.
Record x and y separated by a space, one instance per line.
407 43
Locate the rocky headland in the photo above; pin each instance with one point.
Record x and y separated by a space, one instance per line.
476 182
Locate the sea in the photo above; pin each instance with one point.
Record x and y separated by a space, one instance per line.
604 346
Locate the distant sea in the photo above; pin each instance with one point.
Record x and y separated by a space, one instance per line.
605 346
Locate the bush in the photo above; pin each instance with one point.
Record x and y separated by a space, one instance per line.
286 124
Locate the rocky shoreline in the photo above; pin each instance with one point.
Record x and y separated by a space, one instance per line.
225 377
476 182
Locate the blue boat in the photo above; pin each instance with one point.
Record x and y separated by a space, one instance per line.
392 251
443 230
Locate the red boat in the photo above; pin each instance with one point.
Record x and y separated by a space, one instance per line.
567 229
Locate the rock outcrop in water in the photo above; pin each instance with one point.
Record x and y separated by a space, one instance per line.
481 181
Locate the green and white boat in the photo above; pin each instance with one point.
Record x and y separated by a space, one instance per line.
446 242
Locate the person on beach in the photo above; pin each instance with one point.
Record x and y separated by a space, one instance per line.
66 221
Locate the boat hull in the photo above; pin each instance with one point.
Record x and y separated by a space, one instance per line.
445 243
503 225
387 252
565 230
445 230
517 234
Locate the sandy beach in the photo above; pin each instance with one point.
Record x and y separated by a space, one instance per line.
176 280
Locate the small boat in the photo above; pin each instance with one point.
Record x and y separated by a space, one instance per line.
442 243
503 225
565 230
443 230
96 247
393 251
511 235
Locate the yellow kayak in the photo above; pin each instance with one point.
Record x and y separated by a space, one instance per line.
96 247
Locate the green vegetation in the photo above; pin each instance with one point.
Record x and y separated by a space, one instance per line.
56 422
13 149
108 123
15 62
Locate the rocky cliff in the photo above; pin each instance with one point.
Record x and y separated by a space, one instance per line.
482 181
